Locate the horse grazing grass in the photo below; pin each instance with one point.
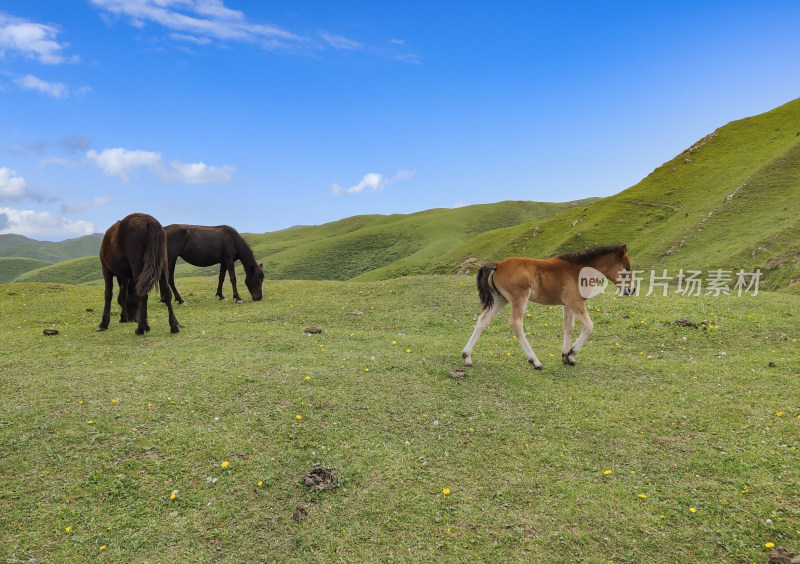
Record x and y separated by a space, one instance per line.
134 250
202 245
567 280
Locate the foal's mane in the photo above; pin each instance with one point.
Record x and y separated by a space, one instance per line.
581 257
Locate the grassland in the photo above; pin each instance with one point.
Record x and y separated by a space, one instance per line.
665 444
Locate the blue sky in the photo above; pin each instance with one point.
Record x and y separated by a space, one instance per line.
265 115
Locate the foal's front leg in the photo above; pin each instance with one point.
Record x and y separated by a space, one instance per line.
567 354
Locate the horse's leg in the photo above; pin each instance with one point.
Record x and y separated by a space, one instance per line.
166 297
175 293
569 326
518 306
109 280
483 322
222 270
232 276
141 317
122 299
579 309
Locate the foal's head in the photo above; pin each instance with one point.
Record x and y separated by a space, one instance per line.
618 270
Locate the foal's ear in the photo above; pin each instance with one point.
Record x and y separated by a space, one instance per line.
623 250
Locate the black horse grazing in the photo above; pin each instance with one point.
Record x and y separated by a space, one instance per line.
203 246
135 251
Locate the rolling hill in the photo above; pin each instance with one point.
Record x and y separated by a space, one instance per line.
23 247
729 201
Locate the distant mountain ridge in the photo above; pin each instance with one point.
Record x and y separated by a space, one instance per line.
20 246
731 201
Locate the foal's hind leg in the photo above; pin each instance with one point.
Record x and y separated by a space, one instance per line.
515 322
483 322
579 311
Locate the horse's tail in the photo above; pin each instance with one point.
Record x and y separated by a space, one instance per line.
486 287
154 259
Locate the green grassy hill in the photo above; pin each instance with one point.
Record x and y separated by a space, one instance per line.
20 246
732 200
72 271
380 247
11 267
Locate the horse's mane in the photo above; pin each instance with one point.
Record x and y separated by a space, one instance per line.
589 254
243 249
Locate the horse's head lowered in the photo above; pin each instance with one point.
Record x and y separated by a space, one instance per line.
253 280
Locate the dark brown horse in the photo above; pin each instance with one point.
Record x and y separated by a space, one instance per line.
568 280
204 246
134 250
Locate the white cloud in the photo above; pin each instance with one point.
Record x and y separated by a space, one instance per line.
339 42
460 205
197 20
123 163
54 89
82 206
371 182
195 173
12 187
41 225
33 40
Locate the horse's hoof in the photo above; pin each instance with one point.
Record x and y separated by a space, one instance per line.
175 329
568 360
540 367
239 302
102 329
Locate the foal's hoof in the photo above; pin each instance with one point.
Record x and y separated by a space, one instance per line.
102 329
239 301
568 360
539 366
175 329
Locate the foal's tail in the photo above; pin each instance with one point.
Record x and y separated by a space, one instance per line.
154 259
486 287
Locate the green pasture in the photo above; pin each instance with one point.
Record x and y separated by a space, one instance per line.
666 443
